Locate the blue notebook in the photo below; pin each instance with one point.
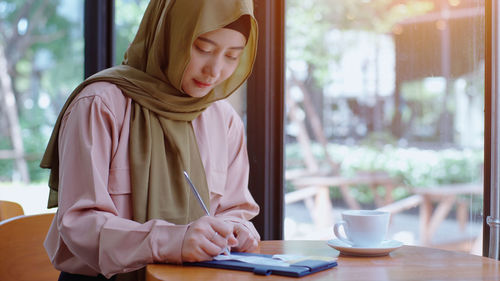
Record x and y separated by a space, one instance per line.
297 269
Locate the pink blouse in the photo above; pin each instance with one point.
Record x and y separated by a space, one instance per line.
93 232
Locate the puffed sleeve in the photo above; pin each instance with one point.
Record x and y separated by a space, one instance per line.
237 204
88 221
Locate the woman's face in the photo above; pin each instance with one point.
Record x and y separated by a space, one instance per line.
214 57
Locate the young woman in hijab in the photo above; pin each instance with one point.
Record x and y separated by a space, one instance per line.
125 136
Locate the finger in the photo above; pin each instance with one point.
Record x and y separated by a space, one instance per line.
194 250
208 229
246 240
215 244
197 253
251 229
224 243
223 228
250 244
244 244
232 241
218 240
202 255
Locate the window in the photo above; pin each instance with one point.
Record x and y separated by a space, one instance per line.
128 15
41 62
385 109
375 90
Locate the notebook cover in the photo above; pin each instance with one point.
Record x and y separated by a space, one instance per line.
298 269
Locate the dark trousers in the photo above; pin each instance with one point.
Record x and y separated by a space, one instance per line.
76 277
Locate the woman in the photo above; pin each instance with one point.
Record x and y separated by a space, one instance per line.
126 134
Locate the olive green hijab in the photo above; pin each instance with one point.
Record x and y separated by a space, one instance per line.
162 143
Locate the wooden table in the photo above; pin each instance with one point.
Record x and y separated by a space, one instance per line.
319 188
344 183
405 263
445 196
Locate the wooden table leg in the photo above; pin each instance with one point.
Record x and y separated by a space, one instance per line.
349 199
440 213
462 210
425 217
323 210
430 220
379 202
376 197
388 193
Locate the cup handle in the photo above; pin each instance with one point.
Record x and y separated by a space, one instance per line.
336 228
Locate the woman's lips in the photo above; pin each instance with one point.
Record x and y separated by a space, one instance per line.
201 84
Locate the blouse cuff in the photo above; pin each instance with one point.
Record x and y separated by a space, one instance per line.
168 247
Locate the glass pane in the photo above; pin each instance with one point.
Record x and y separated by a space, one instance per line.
128 15
385 109
41 61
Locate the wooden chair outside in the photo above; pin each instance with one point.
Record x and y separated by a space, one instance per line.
22 255
9 209
435 204
438 201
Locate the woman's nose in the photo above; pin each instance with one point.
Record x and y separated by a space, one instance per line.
213 67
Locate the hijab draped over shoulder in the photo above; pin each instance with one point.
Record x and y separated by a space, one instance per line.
162 143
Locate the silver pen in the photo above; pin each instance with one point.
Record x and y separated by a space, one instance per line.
202 204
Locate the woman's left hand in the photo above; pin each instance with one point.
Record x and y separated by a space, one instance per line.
247 241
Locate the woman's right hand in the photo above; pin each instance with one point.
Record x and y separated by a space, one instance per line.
207 237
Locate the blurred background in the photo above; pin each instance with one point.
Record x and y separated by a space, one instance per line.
384 109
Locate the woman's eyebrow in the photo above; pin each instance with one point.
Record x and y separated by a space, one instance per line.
214 43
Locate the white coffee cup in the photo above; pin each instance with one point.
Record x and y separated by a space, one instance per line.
363 228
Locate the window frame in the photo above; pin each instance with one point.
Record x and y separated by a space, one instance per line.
99 35
265 119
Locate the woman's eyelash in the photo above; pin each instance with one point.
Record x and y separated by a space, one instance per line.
207 51
201 49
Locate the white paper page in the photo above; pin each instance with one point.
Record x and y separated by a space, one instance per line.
253 259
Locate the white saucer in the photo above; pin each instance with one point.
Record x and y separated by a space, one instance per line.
383 249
